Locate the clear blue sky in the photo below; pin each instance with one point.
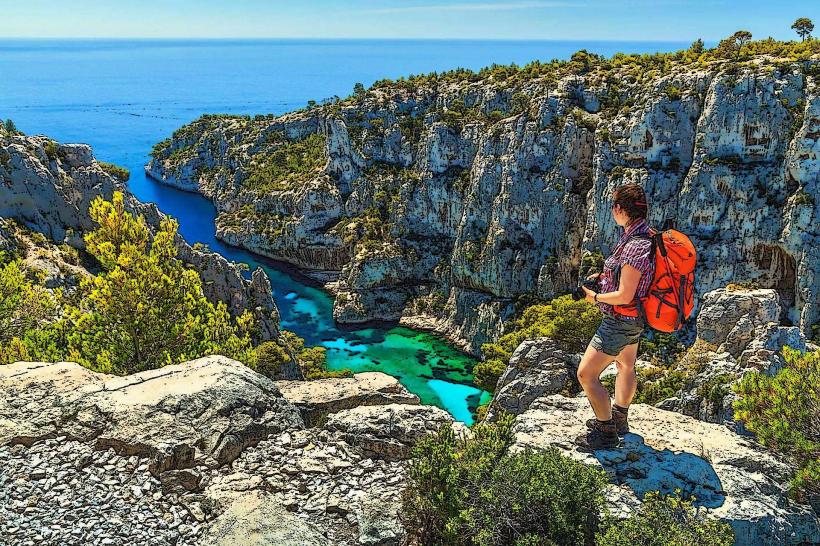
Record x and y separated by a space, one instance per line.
671 20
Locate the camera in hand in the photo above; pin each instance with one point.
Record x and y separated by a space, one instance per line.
579 293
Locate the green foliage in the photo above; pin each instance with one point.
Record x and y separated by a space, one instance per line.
159 148
803 198
570 323
120 173
671 368
697 48
715 389
270 359
666 521
287 166
359 90
470 491
803 27
24 305
592 262
50 148
145 309
487 372
673 93
784 411
666 348
313 360
10 127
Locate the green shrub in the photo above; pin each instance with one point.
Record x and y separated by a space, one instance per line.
666 521
120 173
570 323
50 148
10 127
312 360
23 304
803 198
468 492
784 411
144 310
487 372
287 166
270 358
673 93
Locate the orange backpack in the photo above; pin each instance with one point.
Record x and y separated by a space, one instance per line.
669 302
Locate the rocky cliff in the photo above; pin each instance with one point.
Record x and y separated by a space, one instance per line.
48 187
441 200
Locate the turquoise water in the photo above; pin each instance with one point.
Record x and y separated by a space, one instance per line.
123 96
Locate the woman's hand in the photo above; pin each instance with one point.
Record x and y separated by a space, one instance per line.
590 294
593 276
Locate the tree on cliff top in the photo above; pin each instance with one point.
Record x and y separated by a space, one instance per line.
803 27
146 310
729 48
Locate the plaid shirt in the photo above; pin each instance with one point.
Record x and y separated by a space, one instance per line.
632 251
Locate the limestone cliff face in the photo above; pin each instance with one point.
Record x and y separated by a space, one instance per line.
440 201
48 187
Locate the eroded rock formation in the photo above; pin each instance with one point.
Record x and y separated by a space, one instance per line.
440 200
48 187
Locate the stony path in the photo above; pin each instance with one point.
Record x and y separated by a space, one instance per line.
62 492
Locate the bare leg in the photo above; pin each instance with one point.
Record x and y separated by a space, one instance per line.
592 364
625 383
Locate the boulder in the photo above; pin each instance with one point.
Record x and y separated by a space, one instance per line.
388 432
201 412
745 324
256 518
320 397
537 368
737 332
736 479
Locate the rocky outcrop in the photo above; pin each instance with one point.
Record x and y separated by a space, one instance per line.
738 332
201 412
537 368
48 187
207 451
737 480
254 518
318 398
388 432
461 194
746 324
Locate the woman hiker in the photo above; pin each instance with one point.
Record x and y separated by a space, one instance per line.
627 275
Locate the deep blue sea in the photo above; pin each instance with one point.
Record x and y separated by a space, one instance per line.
122 96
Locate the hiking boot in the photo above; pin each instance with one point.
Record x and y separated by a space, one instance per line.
602 435
619 416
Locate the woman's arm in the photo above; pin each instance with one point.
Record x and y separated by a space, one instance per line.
630 277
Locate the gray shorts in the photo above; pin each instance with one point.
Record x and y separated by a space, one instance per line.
614 334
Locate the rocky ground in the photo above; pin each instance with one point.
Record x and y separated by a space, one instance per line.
190 453
695 447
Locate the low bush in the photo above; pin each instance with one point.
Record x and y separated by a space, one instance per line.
784 411
471 491
570 323
120 173
288 165
666 521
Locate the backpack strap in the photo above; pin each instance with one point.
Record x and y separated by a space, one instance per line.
653 237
